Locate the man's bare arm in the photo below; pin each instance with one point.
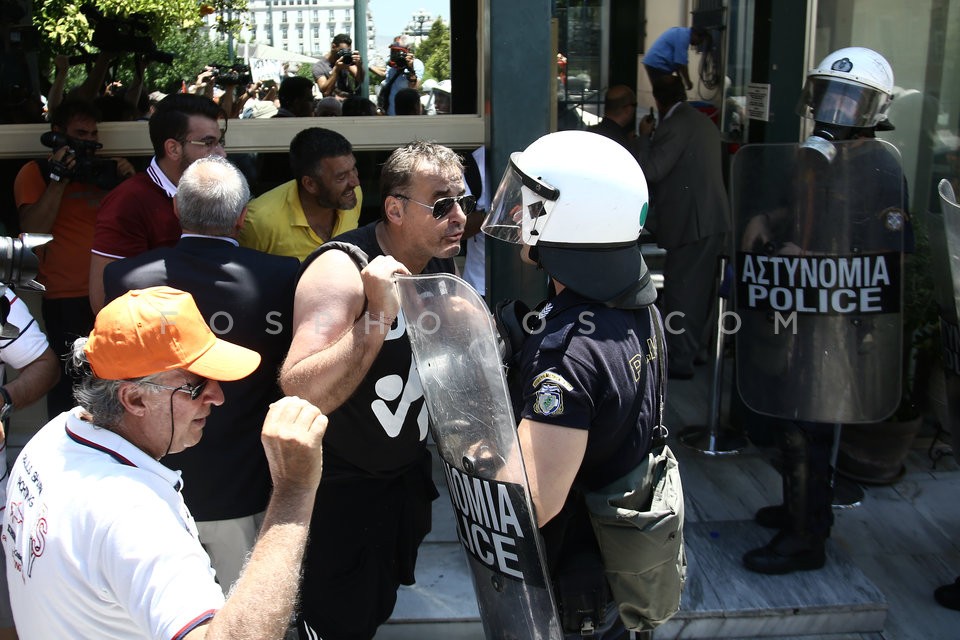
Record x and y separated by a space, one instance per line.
261 604
340 320
552 455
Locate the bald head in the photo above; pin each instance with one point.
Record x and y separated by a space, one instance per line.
620 104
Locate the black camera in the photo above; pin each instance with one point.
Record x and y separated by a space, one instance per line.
346 55
89 169
233 74
398 57
128 34
18 268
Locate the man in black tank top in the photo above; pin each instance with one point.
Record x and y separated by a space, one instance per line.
351 357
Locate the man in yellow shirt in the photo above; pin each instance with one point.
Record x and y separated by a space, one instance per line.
322 201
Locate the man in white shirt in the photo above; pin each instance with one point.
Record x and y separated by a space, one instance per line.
96 536
38 370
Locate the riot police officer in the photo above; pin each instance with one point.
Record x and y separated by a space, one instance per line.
847 95
588 371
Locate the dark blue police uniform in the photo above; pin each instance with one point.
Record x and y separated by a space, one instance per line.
589 367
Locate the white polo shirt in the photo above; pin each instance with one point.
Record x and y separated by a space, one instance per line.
98 541
18 352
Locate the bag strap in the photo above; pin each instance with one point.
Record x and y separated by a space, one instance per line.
660 431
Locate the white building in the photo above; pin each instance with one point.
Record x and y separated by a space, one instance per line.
300 26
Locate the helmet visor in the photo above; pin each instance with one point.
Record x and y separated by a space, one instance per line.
520 206
846 104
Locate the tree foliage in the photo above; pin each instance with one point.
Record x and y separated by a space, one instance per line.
64 27
175 26
434 51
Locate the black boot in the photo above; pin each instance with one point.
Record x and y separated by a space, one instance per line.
799 545
772 517
785 553
776 516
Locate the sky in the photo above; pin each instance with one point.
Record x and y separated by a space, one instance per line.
391 16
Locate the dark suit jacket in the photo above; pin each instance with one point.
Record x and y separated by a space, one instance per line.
683 167
247 297
615 132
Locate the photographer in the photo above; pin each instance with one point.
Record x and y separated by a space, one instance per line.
260 100
340 72
403 72
221 83
60 195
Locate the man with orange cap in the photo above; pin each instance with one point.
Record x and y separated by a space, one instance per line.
96 535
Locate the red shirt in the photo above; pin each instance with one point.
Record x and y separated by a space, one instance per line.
135 217
65 260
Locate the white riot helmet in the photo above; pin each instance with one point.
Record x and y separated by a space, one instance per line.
851 87
579 200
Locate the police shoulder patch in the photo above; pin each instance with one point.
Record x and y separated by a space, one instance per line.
549 400
554 377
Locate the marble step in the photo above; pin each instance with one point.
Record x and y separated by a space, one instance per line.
721 598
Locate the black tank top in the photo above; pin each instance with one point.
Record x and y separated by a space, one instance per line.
381 429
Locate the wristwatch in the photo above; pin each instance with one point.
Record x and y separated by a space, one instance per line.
7 404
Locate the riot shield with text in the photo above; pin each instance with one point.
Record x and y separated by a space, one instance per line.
454 344
818 280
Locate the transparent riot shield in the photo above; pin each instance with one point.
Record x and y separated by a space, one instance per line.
455 347
945 259
818 245
949 288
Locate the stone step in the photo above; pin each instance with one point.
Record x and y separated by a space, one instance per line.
721 598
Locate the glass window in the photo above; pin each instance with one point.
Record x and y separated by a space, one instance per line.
582 65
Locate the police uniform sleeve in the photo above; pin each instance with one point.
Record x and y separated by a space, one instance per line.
560 385
157 570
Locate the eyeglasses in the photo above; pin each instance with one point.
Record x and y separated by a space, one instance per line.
443 206
209 142
193 390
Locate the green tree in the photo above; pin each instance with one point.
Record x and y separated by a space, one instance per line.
192 50
175 26
64 27
434 51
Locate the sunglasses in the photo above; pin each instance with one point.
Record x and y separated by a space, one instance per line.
209 142
193 390
443 206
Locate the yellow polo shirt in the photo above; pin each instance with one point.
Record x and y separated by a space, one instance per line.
277 224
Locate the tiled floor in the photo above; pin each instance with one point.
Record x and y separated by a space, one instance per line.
890 551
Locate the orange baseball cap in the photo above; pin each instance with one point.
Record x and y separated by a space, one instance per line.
148 331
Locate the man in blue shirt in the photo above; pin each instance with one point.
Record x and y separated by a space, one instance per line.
668 54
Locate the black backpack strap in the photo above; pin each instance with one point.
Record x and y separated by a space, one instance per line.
660 432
